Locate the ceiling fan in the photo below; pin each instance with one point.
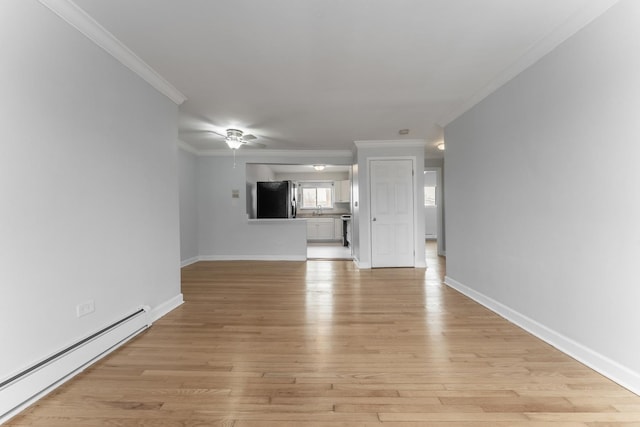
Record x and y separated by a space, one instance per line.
235 139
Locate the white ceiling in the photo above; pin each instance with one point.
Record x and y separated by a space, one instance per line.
320 74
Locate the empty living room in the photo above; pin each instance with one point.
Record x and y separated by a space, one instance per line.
143 284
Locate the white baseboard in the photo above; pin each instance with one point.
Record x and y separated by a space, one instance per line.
165 307
362 265
189 261
24 391
609 368
359 264
367 265
253 258
19 394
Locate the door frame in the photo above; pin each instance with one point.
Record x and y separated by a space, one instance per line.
439 209
418 261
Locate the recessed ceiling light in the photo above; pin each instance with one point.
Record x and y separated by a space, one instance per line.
403 131
318 167
440 146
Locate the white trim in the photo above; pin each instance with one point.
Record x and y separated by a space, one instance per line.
186 147
596 361
220 152
253 258
392 143
246 152
161 309
189 261
439 237
535 52
38 386
83 22
362 265
16 396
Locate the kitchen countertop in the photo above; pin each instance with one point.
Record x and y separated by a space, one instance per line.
308 216
272 220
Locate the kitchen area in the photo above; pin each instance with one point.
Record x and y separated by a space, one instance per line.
320 195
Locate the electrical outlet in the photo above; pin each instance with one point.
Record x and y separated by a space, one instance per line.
85 308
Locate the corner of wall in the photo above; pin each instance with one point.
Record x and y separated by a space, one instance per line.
609 368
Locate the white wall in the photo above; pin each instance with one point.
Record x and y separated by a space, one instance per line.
312 176
88 185
543 213
188 207
224 229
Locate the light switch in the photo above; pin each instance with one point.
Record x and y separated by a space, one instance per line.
235 194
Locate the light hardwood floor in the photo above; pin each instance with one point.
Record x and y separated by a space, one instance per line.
266 344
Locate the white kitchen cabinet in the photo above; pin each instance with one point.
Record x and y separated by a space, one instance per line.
320 229
342 191
325 230
345 187
312 230
337 230
337 191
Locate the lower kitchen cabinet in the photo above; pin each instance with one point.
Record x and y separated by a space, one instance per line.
337 229
321 229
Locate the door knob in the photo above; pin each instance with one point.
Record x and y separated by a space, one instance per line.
374 219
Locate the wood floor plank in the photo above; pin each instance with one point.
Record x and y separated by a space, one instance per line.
321 343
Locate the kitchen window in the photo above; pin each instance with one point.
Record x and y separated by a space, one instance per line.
316 195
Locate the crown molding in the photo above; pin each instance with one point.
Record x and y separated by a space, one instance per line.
186 147
80 20
535 52
244 152
391 143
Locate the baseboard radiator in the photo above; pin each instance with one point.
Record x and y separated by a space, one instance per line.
24 387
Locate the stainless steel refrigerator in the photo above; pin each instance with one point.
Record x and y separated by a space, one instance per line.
276 199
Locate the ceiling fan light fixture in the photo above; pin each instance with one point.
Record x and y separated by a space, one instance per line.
319 167
234 138
233 143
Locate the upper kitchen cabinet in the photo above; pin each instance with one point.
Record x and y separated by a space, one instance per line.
342 191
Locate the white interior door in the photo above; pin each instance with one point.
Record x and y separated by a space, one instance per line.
392 222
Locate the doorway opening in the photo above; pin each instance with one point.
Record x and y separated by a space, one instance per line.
328 251
434 209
